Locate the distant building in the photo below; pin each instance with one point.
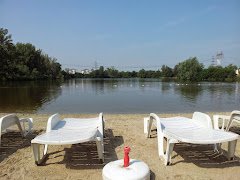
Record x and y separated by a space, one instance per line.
71 71
86 71
238 72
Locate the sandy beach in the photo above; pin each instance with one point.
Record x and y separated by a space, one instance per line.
80 161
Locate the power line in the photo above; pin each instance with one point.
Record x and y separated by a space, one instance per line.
208 61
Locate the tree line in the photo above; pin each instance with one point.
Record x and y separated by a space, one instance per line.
189 70
23 61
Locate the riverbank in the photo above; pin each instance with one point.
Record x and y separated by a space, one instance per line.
78 161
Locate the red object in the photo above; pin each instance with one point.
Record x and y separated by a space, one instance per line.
126 156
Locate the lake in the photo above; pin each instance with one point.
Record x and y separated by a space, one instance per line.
117 96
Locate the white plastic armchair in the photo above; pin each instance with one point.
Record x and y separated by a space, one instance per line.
226 120
24 125
197 130
70 131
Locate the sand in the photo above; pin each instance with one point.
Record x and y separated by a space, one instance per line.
80 161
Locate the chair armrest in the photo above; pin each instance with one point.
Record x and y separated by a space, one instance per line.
29 121
216 118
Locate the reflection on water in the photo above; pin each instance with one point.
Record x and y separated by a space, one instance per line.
27 96
118 96
190 92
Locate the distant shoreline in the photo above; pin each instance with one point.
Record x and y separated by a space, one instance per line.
112 114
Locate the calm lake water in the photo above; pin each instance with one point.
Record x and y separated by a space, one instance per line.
117 96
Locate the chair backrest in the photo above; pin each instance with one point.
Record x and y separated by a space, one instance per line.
52 121
158 121
9 120
202 119
234 116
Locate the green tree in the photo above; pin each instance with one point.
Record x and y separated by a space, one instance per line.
175 70
112 72
101 72
24 61
190 70
214 73
166 71
5 39
142 73
6 55
230 73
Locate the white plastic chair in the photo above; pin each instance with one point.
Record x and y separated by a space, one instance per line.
226 120
197 130
70 131
11 120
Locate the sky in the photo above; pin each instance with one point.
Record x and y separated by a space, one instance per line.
126 34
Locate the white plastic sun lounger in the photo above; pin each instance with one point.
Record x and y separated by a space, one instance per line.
226 120
11 120
70 131
197 130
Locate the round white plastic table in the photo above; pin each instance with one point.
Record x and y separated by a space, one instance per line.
137 170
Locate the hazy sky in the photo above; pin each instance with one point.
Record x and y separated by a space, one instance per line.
126 33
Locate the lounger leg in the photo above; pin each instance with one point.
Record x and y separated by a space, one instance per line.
170 145
45 149
149 125
99 144
0 137
145 125
36 153
231 149
160 138
217 147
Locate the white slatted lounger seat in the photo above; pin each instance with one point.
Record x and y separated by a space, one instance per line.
197 130
11 120
69 131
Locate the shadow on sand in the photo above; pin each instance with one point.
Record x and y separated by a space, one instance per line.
203 156
84 155
13 141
